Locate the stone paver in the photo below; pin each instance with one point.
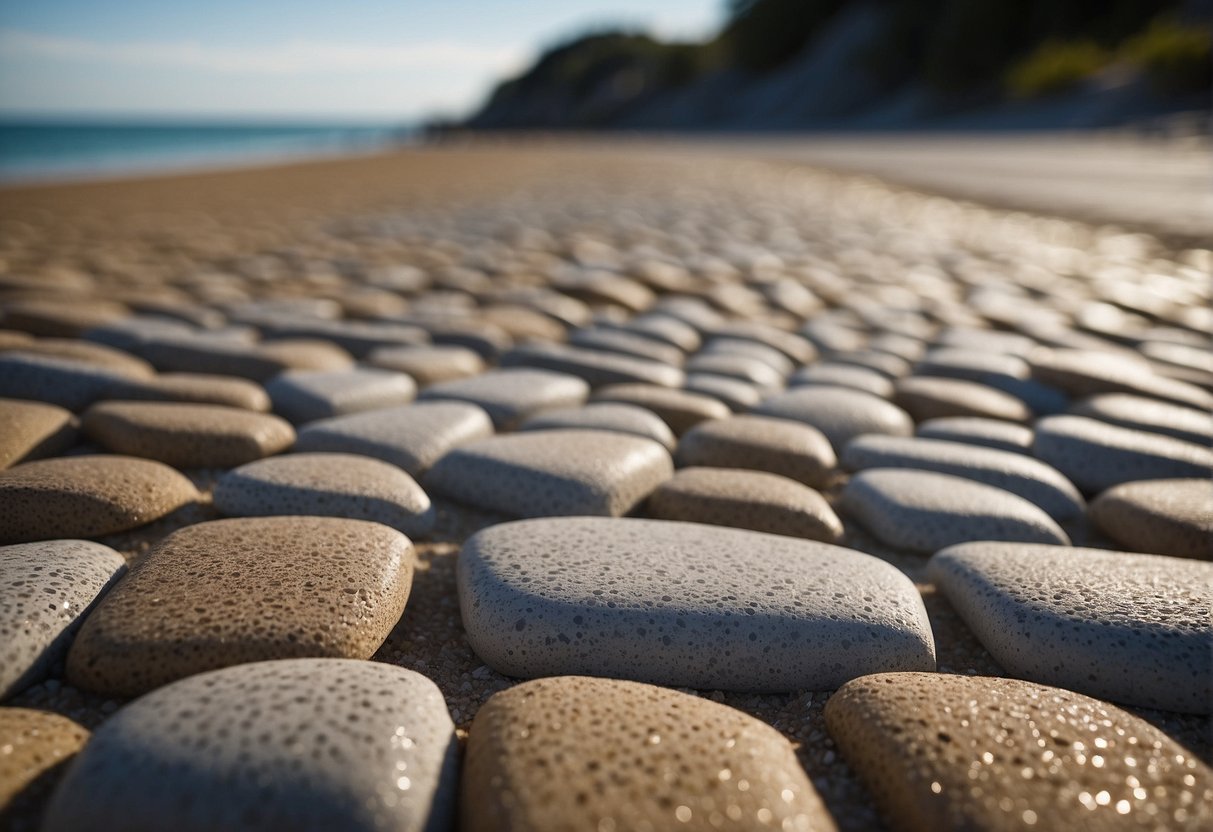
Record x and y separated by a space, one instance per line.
212 355
228 592
1164 517
1086 373
955 752
1029 478
595 367
926 397
779 446
306 744
428 364
1130 628
187 435
580 753
680 409
1149 415
48 587
86 496
683 604
58 381
197 388
627 343
988 433
832 374
85 352
742 499
412 437
34 748
511 396
838 412
303 397
797 349
609 416
1095 455
30 430
557 472
924 511
326 485
736 394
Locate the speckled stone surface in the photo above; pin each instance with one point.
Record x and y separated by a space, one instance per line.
558 472
213 356
956 752
326 485
198 388
511 396
609 416
303 744
744 499
736 394
275 587
684 604
307 396
839 412
680 409
747 368
927 397
86 496
833 374
797 349
574 752
58 381
1029 478
596 368
1163 517
412 437
187 435
760 443
29 430
34 746
1088 372
47 588
924 511
987 433
626 343
1151 415
85 352
428 364
1130 628
1095 455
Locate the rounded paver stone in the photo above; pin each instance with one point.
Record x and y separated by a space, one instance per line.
930 397
557 472
574 752
839 412
799 452
924 511
1095 455
302 744
680 409
59 381
187 435
87 496
510 396
233 591
610 416
1125 627
744 499
1149 415
412 437
428 364
197 388
327 485
972 430
305 396
47 589
596 368
1087 372
957 752
29 430
683 604
1029 478
1164 517
34 747
830 374
737 395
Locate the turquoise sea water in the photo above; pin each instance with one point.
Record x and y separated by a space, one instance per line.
65 150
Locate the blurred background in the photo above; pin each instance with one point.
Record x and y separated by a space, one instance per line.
90 87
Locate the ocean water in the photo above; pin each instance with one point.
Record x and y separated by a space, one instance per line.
68 150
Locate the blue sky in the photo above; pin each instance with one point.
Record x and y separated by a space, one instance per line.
282 59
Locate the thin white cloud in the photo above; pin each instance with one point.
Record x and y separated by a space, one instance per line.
289 58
